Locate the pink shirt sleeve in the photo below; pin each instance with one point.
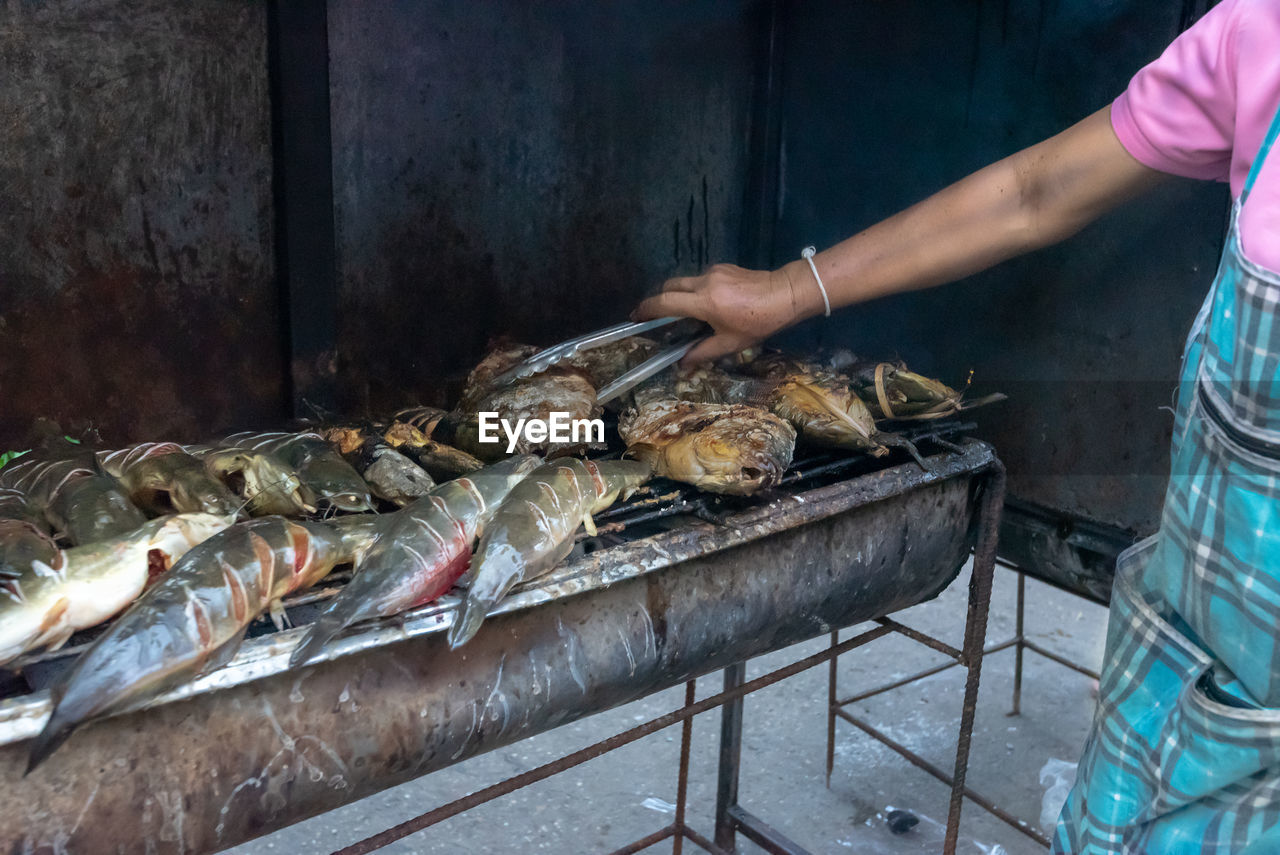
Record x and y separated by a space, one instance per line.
1178 114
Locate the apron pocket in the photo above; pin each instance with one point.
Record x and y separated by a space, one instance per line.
1220 752
1218 564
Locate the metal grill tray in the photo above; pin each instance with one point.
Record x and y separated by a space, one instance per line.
256 745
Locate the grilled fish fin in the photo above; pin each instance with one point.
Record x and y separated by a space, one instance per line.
60 639
318 635
589 524
279 617
466 623
222 655
825 403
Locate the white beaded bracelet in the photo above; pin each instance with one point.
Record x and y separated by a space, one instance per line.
807 255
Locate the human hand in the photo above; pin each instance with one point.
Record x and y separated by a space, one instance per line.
743 307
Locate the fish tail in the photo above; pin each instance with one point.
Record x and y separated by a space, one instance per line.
467 621
60 726
318 635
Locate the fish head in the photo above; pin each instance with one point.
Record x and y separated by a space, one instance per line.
335 485
403 433
394 477
193 490
273 486
96 507
174 536
739 452
349 501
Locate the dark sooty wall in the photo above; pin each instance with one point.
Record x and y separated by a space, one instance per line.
136 270
533 169
523 169
885 103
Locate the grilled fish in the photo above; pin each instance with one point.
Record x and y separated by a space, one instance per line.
192 620
328 481
76 496
502 355
42 604
818 402
161 478
532 530
892 392
25 538
267 484
736 449
602 365
391 476
419 552
439 460
561 389
695 425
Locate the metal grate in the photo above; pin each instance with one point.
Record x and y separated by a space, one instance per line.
659 506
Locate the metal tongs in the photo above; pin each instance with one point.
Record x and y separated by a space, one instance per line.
544 359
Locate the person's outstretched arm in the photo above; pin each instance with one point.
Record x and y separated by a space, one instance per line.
1031 199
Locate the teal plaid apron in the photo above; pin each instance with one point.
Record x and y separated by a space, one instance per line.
1184 755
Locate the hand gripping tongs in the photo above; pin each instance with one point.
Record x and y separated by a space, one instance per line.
544 359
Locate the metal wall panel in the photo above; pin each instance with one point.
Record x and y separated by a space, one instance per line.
523 169
884 103
136 263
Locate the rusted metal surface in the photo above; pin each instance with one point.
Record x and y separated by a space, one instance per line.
136 280
1064 550
524 169
971 657
300 95
732 817
731 694
205 772
885 103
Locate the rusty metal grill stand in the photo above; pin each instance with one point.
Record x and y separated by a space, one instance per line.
1019 642
731 817
835 708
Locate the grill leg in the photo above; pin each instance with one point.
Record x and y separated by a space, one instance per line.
730 759
682 782
1020 646
831 709
975 631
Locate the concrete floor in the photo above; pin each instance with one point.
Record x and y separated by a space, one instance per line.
625 795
